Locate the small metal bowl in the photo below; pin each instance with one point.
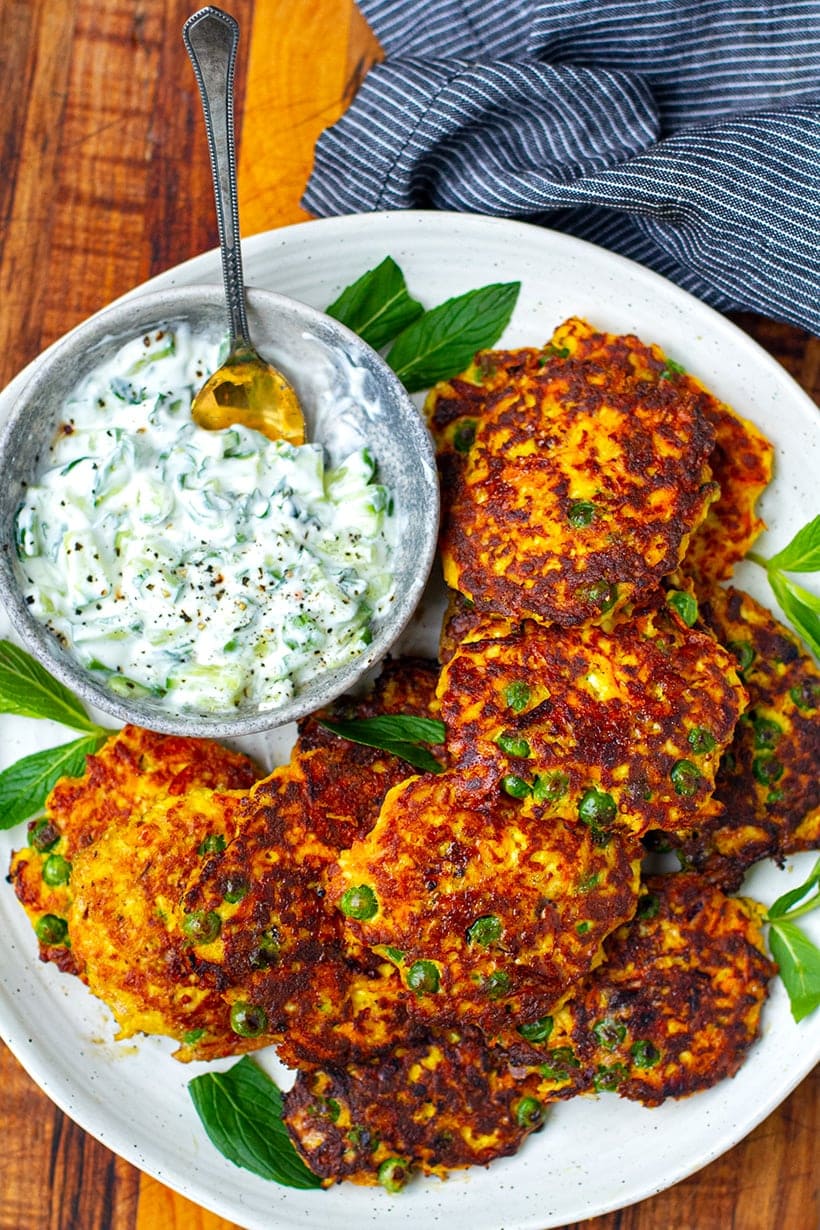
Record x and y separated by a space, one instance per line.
350 398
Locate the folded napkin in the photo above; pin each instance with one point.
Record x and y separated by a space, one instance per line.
682 133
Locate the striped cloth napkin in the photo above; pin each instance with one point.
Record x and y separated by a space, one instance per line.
682 133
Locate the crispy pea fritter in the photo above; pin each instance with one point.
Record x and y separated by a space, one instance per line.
767 781
488 910
674 1007
619 729
740 460
134 944
444 1103
130 773
579 491
281 949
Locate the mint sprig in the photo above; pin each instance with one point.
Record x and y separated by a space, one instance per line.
442 342
27 690
401 734
428 346
25 785
800 606
797 957
378 305
241 1109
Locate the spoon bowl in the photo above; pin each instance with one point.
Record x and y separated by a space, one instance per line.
246 389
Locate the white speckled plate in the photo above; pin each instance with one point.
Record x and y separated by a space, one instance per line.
594 1154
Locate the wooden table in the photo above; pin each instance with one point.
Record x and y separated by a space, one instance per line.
105 182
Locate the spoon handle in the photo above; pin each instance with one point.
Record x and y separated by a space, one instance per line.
211 38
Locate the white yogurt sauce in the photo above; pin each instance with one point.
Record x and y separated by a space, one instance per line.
212 568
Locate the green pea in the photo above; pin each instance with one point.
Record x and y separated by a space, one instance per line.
744 652
559 1063
464 436
515 786
701 740
529 1113
496 984
686 778
51 929
266 950
607 1079
767 732
805 695
235 888
514 745
42 835
767 769
517 696
581 928
393 1174
553 352
601 594
550 787
214 843
423 978
684 605
672 369
609 1033
248 1020
202 926
596 808
649 905
644 1054
56 870
580 513
359 902
536 1031
485 930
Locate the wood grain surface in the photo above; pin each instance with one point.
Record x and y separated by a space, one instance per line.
104 183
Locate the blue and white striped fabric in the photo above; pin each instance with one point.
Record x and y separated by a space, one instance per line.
682 133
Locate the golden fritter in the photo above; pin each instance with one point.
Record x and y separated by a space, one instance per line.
674 1007
578 492
281 956
132 771
136 946
441 1104
620 729
768 780
740 460
489 911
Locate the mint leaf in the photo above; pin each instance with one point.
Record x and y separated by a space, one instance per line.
442 342
802 554
398 733
783 905
798 961
800 607
28 690
25 786
241 1110
378 305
